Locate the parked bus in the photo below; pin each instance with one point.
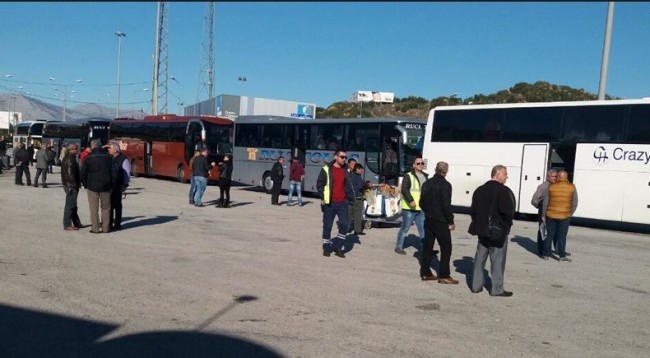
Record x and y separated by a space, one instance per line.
603 145
163 145
260 140
29 133
78 131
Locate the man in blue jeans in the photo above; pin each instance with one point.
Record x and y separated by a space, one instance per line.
335 190
410 204
192 181
200 171
296 176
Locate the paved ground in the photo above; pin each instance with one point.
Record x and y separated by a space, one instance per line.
180 281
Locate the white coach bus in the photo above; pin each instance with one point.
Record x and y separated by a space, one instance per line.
603 145
260 140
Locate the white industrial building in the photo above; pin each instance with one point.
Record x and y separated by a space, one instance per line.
231 106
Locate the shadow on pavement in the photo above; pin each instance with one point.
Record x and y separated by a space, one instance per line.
29 333
148 222
527 243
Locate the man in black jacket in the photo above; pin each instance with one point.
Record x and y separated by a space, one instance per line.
98 175
21 162
491 198
277 175
435 202
71 183
119 187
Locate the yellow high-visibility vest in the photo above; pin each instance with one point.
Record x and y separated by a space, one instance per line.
326 189
415 193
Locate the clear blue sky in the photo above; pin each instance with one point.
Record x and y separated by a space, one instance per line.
323 52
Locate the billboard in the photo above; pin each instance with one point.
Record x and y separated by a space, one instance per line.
9 117
379 97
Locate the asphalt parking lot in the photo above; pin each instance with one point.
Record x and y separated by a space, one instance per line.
250 281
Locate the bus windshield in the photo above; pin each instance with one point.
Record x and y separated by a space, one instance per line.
413 146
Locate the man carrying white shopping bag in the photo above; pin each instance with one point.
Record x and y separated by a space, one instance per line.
537 201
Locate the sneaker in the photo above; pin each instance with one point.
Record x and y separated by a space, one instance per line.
564 259
567 253
543 257
400 251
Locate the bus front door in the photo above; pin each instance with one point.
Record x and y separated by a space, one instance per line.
533 173
148 159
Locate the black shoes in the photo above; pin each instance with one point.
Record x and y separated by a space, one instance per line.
479 291
400 251
339 253
503 294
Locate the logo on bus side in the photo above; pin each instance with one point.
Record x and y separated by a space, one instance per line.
601 156
273 155
326 157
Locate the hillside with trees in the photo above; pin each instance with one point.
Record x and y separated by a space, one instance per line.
418 107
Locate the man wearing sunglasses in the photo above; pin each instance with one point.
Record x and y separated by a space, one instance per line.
335 190
410 204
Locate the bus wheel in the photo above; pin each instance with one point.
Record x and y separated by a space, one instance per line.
179 174
267 182
134 169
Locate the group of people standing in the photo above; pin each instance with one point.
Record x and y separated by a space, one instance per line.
105 176
200 171
45 157
557 200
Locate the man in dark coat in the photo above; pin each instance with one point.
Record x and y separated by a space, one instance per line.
21 162
98 175
119 187
277 175
496 199
71 183
435 202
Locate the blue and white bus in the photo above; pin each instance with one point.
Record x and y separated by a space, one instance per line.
603 145
260 140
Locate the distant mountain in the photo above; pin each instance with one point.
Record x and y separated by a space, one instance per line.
32 108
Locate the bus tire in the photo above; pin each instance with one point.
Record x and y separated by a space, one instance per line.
267 182
179 174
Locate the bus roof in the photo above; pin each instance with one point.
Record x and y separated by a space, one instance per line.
290 120
543 104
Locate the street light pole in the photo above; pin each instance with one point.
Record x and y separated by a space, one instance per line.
608 39
119 35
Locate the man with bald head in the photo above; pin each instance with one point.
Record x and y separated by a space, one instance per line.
560 202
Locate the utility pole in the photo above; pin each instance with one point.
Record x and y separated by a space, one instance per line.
608 39
206 70
160 74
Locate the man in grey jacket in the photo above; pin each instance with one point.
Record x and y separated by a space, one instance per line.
537 202
41 167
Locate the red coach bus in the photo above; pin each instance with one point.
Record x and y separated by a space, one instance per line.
163 145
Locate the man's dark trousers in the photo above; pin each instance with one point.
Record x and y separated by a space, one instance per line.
329 213
275 192
70 216
436 230
116 209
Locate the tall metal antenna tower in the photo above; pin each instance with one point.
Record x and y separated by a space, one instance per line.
206 70
160 74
